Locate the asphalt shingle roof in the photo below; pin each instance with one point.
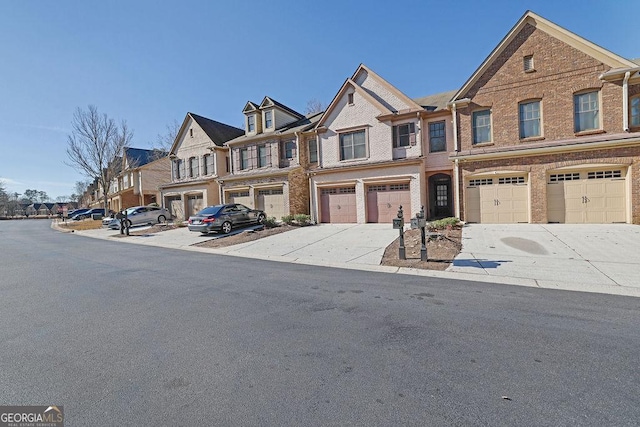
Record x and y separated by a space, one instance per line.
304 124
437 101
218 132
140 157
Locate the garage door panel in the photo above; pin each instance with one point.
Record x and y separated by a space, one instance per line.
338 205
595 197
473 204
383 202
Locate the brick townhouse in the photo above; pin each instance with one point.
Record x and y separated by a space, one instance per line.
548 130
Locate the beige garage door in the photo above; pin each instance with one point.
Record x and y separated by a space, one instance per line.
271 201
501 200
195 204
338 205
241 197
587 197
383 202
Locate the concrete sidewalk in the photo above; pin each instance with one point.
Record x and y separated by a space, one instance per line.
588 258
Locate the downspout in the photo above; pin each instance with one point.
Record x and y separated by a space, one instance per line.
625 101
456 165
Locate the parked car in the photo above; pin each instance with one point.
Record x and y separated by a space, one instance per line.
224 218
87 214
139 215
73 212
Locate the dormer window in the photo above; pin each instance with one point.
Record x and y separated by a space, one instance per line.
251 123
268 119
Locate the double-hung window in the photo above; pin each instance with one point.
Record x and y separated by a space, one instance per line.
437 137
635 111
268 119
529 119
193 167
262 156
404 135
251 123
289 150
244 159
353 145
207 164
586 111
313 150
481 126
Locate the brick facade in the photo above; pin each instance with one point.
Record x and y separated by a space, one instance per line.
561 71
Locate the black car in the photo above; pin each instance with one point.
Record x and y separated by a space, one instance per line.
87 214
224 217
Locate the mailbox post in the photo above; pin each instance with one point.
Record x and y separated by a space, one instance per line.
398 223
422 223
120 217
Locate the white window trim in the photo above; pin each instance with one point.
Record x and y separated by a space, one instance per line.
366 143
473 127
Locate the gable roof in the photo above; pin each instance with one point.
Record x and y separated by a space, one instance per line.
436 102
250 106
306 123
530 18
268 102
139 157
219 133
357 88
394 90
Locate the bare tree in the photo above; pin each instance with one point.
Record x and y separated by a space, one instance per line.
314 106
165 141
80 188
95 145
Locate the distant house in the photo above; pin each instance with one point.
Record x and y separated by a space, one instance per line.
141 173
198 156
270 160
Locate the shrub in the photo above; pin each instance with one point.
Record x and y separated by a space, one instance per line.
288 219
444 223
302 219
270 222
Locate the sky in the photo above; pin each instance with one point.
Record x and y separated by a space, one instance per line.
151 62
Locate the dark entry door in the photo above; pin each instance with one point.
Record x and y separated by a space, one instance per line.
440 196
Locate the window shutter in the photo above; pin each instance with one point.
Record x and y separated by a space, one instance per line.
268 150
394 136
412 134
236 160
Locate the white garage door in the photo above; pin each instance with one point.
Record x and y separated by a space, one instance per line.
500 200
587 197
271 201
383 202
241 197
338 205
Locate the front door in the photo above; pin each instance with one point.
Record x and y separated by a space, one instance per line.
440 196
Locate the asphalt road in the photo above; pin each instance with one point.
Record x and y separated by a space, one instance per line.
125 334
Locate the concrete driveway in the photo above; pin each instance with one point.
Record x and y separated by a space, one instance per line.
580 257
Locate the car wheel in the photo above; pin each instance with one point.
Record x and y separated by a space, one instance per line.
261 218
161 219
226 227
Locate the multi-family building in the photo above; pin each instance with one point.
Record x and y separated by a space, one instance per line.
380 149
198 156
137 183
548 130
270 160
